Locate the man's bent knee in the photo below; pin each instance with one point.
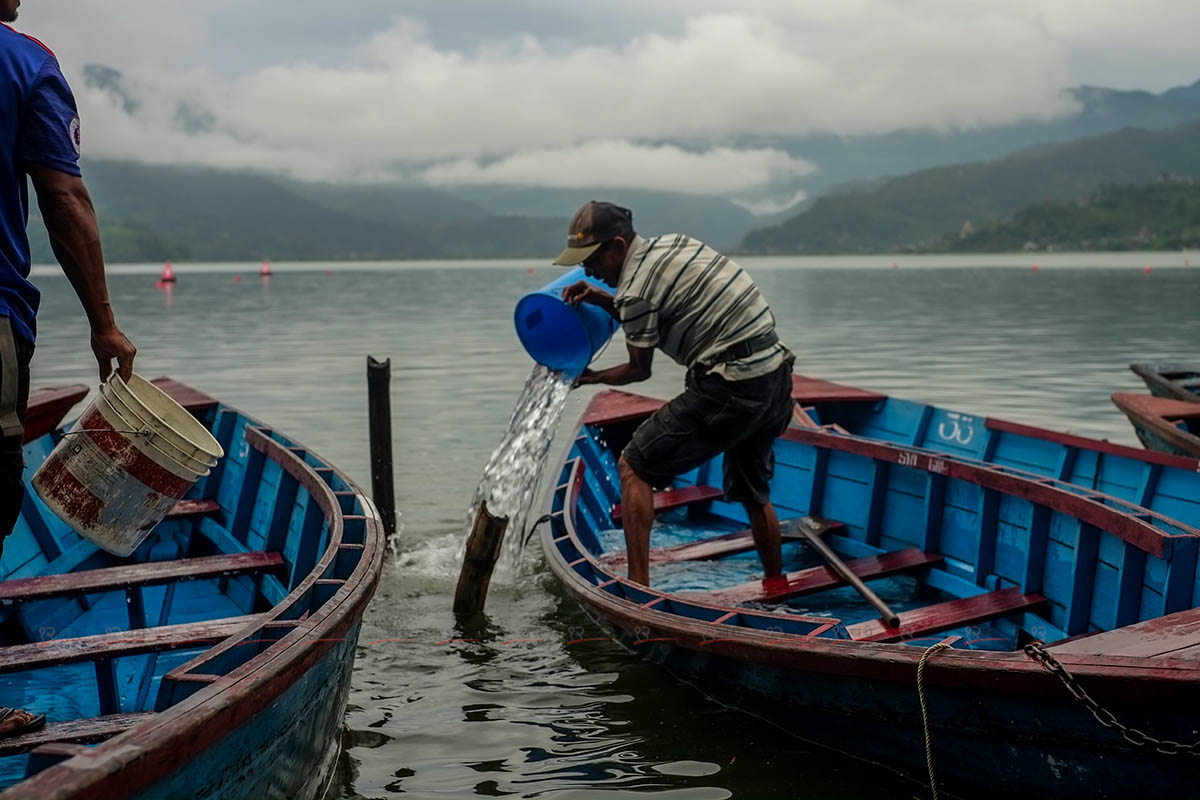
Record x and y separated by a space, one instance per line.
627 472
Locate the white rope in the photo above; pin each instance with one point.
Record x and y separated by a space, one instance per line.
925 711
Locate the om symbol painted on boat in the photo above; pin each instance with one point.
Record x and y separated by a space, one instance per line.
957 428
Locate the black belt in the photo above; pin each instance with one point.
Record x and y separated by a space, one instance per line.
747 348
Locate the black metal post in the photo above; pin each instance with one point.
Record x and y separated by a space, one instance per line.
379 407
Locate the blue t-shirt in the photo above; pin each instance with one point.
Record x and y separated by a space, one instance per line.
39 124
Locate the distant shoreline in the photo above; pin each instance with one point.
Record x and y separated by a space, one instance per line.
1155 259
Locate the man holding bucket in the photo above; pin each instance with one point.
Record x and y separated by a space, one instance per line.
699 307
40 129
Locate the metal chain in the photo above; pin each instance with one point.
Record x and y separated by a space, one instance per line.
1037 651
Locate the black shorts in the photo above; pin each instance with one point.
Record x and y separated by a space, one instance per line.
741 419
15 354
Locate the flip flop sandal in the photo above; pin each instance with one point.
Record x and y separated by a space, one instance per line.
35 724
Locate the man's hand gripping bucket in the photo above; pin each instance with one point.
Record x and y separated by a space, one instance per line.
558 335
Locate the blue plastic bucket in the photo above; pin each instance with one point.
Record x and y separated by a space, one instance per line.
557 335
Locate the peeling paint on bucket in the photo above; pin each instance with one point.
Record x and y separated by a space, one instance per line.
109 482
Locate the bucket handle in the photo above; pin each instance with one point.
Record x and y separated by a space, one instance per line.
147 433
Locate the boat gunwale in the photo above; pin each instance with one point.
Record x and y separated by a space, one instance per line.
151 750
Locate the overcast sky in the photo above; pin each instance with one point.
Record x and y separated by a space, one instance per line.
645 94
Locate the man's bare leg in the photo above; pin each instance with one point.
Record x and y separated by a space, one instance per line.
764 526
637 515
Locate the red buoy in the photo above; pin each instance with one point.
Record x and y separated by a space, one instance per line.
168 274
265 269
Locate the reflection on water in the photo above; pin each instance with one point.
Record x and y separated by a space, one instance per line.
523 703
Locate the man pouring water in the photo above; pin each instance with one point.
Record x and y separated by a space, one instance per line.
699 307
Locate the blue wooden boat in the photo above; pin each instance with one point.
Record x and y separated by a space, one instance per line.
985 536
1164 424
1176 381
212 663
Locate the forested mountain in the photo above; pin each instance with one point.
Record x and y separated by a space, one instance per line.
845 160
1164 215
155 213
915 211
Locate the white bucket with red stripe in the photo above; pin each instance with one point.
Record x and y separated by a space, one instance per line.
133 453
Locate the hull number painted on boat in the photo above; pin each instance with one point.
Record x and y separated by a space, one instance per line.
909 459
957 428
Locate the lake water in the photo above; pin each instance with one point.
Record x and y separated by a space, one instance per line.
509 706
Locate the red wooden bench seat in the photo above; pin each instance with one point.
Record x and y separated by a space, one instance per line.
193 400
151 573
48 406
807 391
1172 636
106 646
77 731
819 579
728 544
951 614
676 498
193 508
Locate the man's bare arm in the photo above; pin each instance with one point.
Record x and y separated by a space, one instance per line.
75 236
636 369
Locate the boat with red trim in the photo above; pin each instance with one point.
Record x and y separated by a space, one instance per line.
215 661
1163 423
1026 568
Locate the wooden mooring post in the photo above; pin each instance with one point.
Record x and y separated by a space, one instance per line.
379 411
483 548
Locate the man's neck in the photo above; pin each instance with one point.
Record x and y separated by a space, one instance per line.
635 244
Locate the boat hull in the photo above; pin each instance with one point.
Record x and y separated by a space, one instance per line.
1004 728
286 750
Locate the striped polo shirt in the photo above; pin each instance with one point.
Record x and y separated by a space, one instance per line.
680 295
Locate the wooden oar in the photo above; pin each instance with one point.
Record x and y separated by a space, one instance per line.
806 529
483 548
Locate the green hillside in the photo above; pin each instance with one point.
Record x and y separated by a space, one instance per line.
156 213
915 211
1159 216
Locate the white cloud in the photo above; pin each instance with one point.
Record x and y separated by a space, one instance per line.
524 109
771 205
615 164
